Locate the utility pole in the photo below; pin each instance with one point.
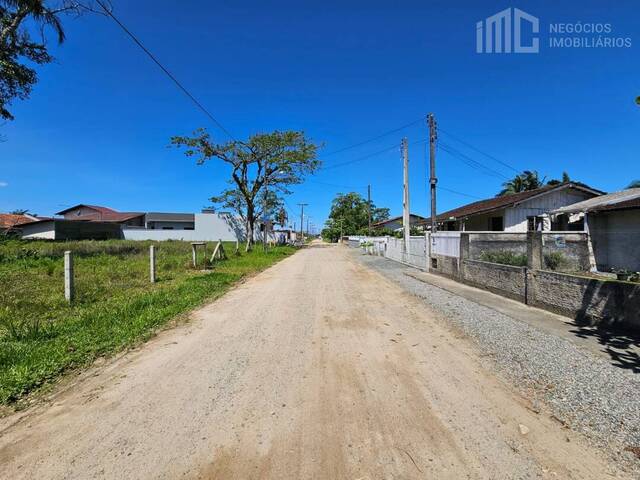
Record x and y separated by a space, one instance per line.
307 225
433 180
369 206
302 205
406 214
341 222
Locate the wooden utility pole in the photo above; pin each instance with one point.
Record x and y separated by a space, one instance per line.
406 214
433 180
369 206
302 205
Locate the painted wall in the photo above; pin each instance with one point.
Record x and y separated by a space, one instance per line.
516 217
42 230
616 239
208 227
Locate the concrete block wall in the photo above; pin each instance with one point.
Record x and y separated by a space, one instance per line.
587 300
480 242
573 247
502 279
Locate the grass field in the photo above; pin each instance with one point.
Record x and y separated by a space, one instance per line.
116 306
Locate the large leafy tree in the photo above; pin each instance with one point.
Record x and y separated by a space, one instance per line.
523 182
350 215
634 184
262 170
19 50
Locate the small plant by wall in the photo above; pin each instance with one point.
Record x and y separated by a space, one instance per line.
556 261
505 257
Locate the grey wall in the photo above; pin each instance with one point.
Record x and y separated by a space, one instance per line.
503 279
616 239
587 300
494 242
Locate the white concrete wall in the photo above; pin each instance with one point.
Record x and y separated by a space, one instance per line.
43 230
208 227
446 244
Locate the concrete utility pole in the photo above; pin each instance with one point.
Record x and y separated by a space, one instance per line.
302 205
68 276
433 136
406 214
152 263
369 206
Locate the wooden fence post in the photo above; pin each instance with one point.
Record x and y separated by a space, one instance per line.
152 263
68 276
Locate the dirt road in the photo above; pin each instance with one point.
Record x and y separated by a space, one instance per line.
317 368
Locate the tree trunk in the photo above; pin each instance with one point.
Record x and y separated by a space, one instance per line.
250 226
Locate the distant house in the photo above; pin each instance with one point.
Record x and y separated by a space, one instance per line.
395 223
613 223
10 222
519 212
95 213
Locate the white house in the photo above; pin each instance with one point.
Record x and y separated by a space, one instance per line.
519 212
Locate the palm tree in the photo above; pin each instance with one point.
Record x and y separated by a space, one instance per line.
18 10
565 179
634 184
523 182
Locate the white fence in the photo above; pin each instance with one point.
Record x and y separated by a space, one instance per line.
446 244
394 249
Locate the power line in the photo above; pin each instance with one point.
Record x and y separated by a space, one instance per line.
349 162
336 186
378 137
480 151
470 161
165 70
459 193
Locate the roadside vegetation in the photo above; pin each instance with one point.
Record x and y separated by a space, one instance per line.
41 336
505 257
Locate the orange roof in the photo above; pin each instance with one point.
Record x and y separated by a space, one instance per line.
9 220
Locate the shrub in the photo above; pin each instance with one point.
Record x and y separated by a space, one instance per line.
556 261
505 257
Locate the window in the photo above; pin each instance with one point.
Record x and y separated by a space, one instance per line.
167 228
496 224
189 228
535 224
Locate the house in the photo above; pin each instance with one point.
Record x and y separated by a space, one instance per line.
95 213
518 212
395 223
10 222
613 223
61 229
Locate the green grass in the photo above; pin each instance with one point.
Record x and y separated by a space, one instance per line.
116 306
505 257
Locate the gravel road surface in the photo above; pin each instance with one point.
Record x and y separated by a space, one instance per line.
316 368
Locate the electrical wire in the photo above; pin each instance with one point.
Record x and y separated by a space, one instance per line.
458 193
378 137
504 164
470 161
110 14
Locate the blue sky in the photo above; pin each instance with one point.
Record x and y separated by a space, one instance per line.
97 125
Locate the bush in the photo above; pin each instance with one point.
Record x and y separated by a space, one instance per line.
505 257
556 261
